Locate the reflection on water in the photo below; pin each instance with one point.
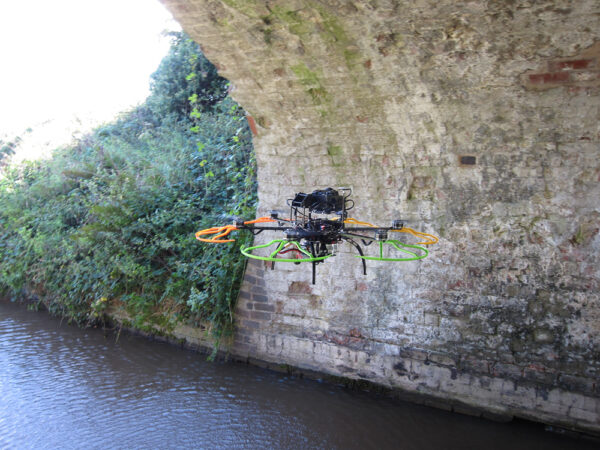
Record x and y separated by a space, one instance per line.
64 387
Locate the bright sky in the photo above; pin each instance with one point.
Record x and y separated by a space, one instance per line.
61 58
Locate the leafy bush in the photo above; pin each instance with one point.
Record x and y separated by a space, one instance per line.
171 91
112 219
8 148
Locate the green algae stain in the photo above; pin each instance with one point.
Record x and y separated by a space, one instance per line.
336 154
247 7
307 21
351 57
312 82
301 29
334 150
292 20
306 76
268 35
295 23
318 95
333 31
325 24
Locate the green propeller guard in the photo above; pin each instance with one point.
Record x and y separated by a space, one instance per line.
282 243
400 246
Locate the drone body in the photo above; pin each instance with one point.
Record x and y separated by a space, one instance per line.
316 226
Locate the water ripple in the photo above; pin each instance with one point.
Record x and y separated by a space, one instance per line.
63 387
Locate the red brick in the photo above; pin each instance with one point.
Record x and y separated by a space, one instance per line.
252 125
574 64
545 78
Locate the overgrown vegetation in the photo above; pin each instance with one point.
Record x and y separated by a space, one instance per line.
7 149
111 220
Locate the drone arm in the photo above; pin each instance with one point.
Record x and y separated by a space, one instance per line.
223 231
428 238
360 236
259 220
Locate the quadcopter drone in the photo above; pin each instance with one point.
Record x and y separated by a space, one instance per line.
317 224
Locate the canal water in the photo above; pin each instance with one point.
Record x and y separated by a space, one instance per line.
65 387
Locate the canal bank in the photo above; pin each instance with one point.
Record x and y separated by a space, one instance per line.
198 339
239 348
263 343
69 387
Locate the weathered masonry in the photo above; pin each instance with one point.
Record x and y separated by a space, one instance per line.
476 120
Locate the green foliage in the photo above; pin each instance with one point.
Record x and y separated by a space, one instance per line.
8 148
111 220
200 87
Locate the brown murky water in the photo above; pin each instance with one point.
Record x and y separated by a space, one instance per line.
64 387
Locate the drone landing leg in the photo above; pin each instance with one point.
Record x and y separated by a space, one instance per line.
314 263
360 252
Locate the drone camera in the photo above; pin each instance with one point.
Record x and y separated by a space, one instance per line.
299 200
275 215
397 224
325 201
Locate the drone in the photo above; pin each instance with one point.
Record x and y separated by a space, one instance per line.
317 224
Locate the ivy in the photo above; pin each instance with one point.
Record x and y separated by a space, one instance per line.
111 220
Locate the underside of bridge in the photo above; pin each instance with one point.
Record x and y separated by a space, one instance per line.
475 120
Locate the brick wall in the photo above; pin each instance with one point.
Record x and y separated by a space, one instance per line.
577 72
477 121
